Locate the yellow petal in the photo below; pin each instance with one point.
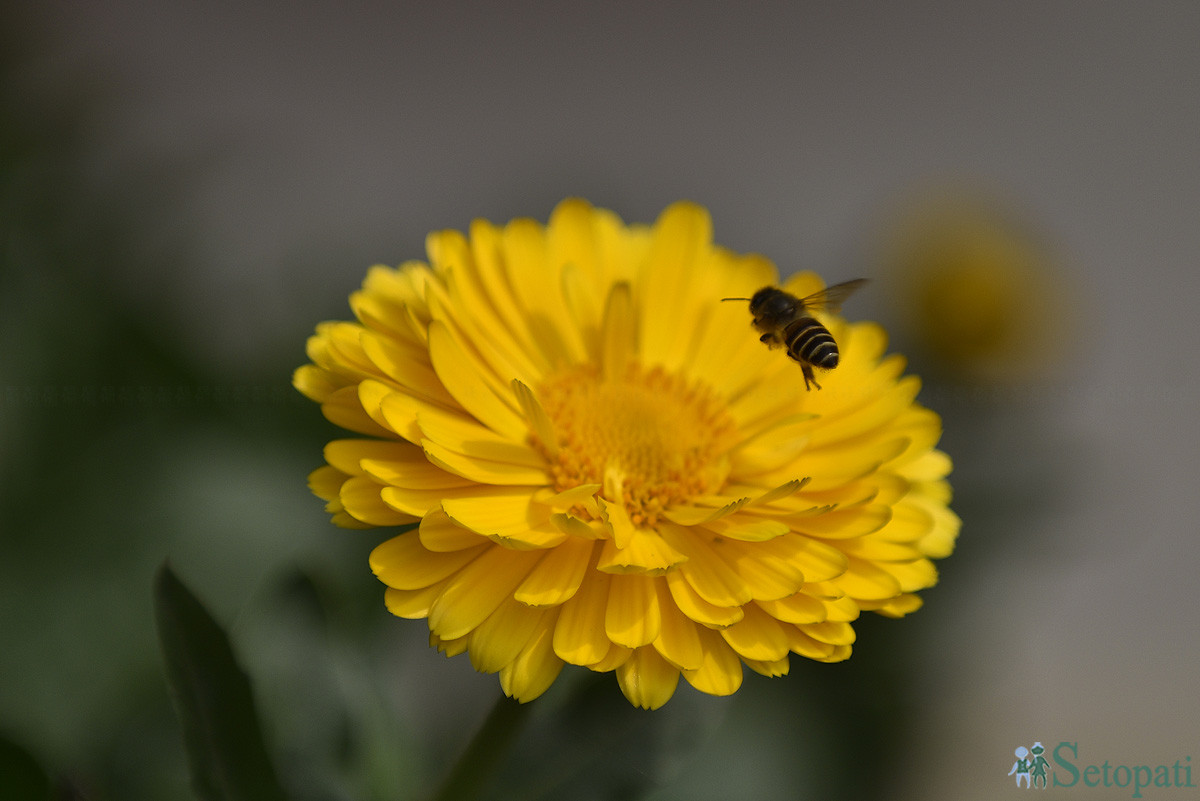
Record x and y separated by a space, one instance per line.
326 482
748 528
347 454
439 533
645 552
483 471
800 643
771 670
537 284
697 608
632 617
539 422
879 410
708 574
682 237
406 367
370 397
846 524
844 609
411 604
678 639
646 679
757 636
832 467
499 639
817 560
562 501
360 498
913 576
420 502
342 408
414 473
764 569
535 669
486 284
405 564
476 590
899 606
930 466
865 580
798 608
473 324
875 549
574 527
720 672
316 384
616 517
558 574
458 433
617 655
618 335
579 636
506 513
831 632
464 377
449 647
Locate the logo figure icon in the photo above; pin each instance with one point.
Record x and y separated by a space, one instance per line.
1030 766
1039 765
1022 766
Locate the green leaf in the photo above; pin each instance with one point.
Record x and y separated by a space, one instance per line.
213 698
20 774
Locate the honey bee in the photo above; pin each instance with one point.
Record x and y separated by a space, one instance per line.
786 320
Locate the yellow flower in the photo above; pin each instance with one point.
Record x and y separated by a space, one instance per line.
977 292
607 467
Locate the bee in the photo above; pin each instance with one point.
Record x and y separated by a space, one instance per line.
784 319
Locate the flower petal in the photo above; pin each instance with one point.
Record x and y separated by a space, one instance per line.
579 636
478 589
709 575
757 636
558 574
535 669
798 608
632 616
682 237
463 376
646 552
483 471
697 608
720 671
498 640
405 564
507 514
678 639
360 498
439 533
646 679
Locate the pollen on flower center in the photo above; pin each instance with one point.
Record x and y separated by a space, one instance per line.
664 439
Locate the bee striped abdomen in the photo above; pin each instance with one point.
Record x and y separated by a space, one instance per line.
809 341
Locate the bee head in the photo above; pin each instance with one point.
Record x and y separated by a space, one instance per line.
770 302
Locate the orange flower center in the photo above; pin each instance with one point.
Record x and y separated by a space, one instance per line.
649 437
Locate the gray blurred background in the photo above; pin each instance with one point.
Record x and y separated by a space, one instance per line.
188 189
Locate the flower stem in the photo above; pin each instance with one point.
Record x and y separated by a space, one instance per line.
485 752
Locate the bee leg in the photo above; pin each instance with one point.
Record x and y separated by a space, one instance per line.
808 377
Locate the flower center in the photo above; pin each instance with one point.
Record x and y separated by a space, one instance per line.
648 437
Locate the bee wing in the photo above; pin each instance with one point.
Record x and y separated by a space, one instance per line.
831 298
